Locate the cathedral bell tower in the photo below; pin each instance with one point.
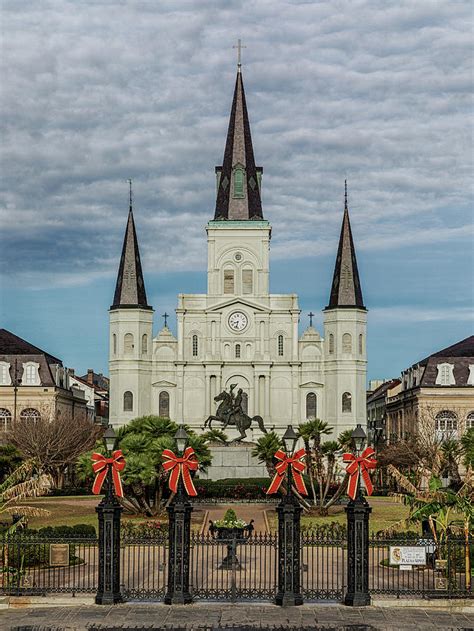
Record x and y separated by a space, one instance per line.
345 326
131 324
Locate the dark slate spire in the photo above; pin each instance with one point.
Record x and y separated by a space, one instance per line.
238 190
130 288
346 290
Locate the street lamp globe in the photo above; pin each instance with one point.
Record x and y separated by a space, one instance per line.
358 437
290 438
109 438
181 438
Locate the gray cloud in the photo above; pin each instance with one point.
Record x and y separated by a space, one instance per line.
96 92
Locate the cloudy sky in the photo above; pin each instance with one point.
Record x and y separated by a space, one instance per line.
374 91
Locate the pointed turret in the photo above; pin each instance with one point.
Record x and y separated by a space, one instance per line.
130 288
238 179
346 290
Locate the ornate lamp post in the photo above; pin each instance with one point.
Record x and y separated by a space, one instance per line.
109 513
358 511
289 549
179 515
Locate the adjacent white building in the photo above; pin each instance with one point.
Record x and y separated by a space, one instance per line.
238 332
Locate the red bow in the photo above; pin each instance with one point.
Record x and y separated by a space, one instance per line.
181 466
357 465
297 467
101 465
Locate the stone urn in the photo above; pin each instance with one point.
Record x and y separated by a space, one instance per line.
231 534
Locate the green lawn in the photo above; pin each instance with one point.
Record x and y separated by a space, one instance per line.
385 513
70 510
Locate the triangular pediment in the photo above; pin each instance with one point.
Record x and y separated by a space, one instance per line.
311 384
237 302
163 384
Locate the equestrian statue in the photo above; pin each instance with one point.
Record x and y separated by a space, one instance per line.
230 412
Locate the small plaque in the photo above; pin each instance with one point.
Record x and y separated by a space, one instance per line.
58 554
406 567
407 555
441 564
441 583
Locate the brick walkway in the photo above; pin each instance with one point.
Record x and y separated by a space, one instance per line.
239 617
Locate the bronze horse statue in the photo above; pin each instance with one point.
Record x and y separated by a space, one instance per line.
230 412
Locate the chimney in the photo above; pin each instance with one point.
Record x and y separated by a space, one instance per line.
90 376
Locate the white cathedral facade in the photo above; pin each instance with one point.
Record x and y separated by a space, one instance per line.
238 332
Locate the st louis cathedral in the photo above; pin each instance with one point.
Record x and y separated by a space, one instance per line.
238 335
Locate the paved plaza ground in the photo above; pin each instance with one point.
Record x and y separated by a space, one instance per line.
233 617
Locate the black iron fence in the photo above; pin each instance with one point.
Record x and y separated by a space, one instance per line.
235 568
32 564
444 569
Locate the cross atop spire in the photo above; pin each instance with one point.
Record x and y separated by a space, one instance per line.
346 291
238 179
130 288
239 54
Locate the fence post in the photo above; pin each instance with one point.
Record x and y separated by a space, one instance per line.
358 512
109 514
179 512
289 549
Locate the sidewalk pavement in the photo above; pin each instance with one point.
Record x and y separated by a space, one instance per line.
235 617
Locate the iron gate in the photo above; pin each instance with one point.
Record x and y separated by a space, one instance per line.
232 569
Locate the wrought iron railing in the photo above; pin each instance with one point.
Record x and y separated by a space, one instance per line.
33 564
324 567
446 572
144 566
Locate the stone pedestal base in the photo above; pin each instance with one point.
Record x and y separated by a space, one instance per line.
234 461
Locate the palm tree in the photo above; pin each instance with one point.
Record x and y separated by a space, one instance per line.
25 482
265 449
312 431
467 442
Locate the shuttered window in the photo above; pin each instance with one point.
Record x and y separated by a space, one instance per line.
247 281
228 281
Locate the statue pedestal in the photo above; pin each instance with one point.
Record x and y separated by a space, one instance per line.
233 461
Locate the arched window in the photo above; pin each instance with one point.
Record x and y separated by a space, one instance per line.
195 346
228 281
5 419
470 421
361 344
311 406
128 401
237 351
164 404
30 414
239 182
144 344
128 343
446 422
245 402
347 402
247 281
114 344
347 343
331 344
280 346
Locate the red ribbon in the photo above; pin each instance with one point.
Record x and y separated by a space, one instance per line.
360 465
297 468
181 466
101 465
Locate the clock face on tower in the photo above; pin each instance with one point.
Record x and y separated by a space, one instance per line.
238 321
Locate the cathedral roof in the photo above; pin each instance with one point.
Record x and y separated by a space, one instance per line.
346 291
130 288
238 191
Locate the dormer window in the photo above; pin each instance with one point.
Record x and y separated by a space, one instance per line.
238 182
30 374
470 379
445 375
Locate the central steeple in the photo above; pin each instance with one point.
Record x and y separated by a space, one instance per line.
238 179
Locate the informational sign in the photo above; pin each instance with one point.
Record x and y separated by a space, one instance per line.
441 564
58 554
407 555
441 583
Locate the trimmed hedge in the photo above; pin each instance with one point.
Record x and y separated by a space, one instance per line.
235 488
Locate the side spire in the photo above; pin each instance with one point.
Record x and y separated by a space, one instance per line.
238 179
130 288
346 290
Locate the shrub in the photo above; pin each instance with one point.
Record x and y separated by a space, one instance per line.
78 530
151 529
